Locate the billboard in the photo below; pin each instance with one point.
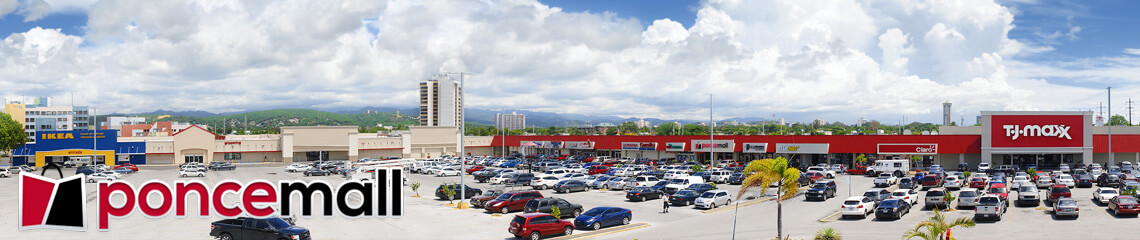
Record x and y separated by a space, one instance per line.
714 146
807 148
674 147
755 147
1026 131
648 146
908 148
579 145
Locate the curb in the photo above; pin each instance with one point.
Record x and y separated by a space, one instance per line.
603 232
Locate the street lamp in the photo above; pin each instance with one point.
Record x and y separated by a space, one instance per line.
462 133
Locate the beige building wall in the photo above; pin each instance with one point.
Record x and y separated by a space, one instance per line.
194 141
17 111
429 142
340 141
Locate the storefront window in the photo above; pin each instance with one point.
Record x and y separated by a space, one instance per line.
233 156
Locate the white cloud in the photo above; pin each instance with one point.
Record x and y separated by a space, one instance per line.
1133 51
8 6
35 9
841 58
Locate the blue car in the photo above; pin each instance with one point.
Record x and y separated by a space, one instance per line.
600 217
511 164
84 171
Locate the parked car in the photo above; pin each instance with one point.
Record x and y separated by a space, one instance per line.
815 176
968 197
640 194
683 197
1103 194
736 179
1059 191
447 171
544 182
821 191
5 173
568 186
216 166
936 198
491 194
1066 207
892 208
1000 190
878 195
1027 195
547 205
599 217
473 169
470 191
885 180
990 206
712 199
256 229
858 206
297 167
952 182
1123 204
316 172
132 167
191 171
910 196
99 177
931 181
1084 180
978 182
86 170
538 225
907 183
1109 180
615 183
678 184
599 182
640 181
1067 180
512 201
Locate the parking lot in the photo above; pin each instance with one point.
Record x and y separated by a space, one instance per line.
430 218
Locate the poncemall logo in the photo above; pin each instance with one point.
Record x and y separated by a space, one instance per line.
1015 131
61 204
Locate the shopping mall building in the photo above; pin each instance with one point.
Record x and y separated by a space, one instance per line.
1015 138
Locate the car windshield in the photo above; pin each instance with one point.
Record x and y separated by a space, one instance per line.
851 202
1067 203
277 223
677 181
935 193
900 194
819 186
1108 191
1060 190
968 194
997 190
594 212
504 197
1027 189
871 194
888 204
988 201
687 193
1127 200
708 194
603 178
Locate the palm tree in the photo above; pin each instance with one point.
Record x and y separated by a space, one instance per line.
763 173
828 234
936 227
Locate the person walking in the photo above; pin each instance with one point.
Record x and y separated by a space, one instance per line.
666 206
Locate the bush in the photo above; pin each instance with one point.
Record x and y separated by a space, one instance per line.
556 212
416 188
828 234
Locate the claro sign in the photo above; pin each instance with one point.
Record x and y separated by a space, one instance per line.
1037 131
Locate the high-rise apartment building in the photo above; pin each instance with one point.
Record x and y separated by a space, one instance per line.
946 114
42 116
440 102
513 121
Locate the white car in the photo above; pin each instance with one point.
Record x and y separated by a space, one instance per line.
712 198
982 167
1067 180
555 172
502 177
298 167
719 176
544 182
191 171
113 174
952 182
447 172
858 206
99 177
826 172
1018 181
5 173
573 176
1044 182
675 174
641 181
908 195
1102 195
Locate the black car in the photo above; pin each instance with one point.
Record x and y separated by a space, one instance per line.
1084 180
546 205
736 179
568 186
908 183
1109 180
486 175
660 186
892 209
962 167
656 173
316 172
257 228
639 194
683 197
705 175
804 181
470 191
701 187
821 190
221 166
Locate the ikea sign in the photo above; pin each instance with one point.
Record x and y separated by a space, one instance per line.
50 136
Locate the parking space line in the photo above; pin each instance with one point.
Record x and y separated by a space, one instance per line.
599 233
824 219
734 206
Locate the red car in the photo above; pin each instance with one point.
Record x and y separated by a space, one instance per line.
978 182
1059 191
597 169
474 169
512 201
132 167
932 180
537 225
815 176
857 170
1124 205
999 189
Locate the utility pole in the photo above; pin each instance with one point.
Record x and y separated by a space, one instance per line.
1100 110
1129 111
712 125
462 133
1110 159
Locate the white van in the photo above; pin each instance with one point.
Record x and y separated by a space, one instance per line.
678 184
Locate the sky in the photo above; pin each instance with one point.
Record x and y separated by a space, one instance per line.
836 60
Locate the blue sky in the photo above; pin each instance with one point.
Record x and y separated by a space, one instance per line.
761 58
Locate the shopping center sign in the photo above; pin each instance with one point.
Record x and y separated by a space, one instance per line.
1037 131
674 147
755 147
908 148
714 146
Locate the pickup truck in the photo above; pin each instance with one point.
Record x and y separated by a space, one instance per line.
990 206
257 228
885 180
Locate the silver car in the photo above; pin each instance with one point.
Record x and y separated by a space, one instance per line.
967 197
1066 207
616 183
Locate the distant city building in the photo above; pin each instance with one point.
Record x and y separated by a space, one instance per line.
641 123
513 121
42 116
819 122
157 129
440 102
861 121
117 122
946 114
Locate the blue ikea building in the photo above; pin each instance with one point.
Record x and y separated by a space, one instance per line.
59 146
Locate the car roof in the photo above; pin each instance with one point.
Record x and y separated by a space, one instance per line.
855 198
532 215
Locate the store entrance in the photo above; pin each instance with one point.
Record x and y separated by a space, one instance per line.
1038 161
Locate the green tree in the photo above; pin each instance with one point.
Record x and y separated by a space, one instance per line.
627 127
416 188
1118 120
861 159
11 133
828 234
936 227
763 173
556 212
450 193
668 128
611 131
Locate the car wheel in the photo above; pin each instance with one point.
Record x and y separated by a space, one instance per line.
226 236
625 221
576 213
596 226
506 210
535 236
566 231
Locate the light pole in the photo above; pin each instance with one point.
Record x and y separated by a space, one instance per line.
462 133
712 125
1110 159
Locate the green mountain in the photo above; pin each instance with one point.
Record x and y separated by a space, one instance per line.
269 121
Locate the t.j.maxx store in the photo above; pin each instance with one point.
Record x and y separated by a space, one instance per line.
1042 138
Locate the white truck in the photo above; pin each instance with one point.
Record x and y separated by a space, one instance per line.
990 207
896 167
886 180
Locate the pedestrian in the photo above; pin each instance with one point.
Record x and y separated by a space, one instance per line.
666 206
